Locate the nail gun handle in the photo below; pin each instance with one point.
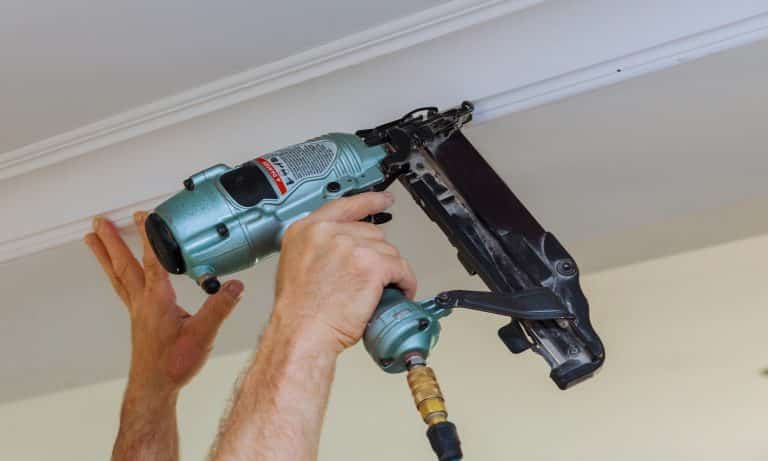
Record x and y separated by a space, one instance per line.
400 326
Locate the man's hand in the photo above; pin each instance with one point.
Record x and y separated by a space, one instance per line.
333 269
331 276
169 346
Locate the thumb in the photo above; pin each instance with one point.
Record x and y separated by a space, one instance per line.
216 308
354 208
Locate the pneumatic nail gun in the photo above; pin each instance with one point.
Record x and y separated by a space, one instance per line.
228 218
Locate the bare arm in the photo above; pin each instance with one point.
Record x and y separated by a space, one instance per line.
147 426
169 346
278 409
332 273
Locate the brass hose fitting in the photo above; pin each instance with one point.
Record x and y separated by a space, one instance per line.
426 394
429 401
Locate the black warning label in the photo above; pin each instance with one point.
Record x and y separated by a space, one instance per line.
288 166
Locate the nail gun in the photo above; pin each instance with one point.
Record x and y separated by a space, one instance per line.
228 218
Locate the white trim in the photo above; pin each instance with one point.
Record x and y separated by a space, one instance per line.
502 102
623 68
69 232
351 50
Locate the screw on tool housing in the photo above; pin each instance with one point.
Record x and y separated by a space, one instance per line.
566 267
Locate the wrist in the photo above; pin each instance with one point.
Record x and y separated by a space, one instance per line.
303 333
147 425
141 390
147 411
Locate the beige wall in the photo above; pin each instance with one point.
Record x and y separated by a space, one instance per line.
686 344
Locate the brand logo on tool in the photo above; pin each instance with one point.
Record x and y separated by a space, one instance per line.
274 174
284 173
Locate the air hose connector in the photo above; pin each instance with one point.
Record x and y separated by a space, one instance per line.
431 405
426 394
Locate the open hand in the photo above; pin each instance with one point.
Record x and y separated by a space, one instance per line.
169 346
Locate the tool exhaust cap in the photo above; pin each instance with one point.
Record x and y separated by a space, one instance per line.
164 244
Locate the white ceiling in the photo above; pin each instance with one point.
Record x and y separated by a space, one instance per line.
67 64
687 140
663 163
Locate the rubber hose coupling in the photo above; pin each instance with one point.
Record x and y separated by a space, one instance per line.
445 441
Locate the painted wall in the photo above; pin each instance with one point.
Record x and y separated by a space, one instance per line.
686 346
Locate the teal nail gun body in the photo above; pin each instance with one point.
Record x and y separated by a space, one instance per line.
227 219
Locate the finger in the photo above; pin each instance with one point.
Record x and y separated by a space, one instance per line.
354 208
381 247
126 267
205 324
360 230
399 272
154 272
98 250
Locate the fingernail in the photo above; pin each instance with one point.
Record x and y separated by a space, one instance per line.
390 196
87 239
96 223
234 288
137 216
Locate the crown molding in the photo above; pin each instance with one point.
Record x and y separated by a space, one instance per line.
70 231
348 51
622 68
494 98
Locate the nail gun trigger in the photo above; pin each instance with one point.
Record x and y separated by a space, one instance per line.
378 218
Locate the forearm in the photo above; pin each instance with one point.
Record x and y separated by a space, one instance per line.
147 426
278 410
